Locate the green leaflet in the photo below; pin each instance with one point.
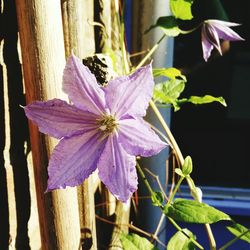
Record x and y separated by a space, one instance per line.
157 198
171 73
194 212
136 242
203 100
181 242
179 172
237 230
168 24
187 167
181 9
168 92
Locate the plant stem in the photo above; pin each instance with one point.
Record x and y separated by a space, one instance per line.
144 178
175 189
229 243
149 54
180 230
172 140
181 161
168 132
162 207
147 183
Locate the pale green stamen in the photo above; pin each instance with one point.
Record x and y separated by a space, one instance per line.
107 124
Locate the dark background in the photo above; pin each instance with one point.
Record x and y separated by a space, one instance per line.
217 138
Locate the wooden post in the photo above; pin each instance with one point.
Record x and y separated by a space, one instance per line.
122 213
43 57
111 42
77 16
146 13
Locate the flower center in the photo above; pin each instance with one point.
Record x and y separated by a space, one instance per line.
107 124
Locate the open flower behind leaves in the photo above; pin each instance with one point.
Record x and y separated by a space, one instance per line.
103 128
213 31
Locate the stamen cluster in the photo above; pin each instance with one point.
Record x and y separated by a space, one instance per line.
108 124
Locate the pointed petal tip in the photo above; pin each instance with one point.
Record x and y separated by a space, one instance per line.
125 199
125 196
81 86
116 169
54 186
138 138
221 22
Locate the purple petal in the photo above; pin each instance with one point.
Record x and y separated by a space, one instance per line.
210 39
207 47
216 22
59 119
223 30
82 88
213 37
130 94
226 33
117 170
138 138
74 159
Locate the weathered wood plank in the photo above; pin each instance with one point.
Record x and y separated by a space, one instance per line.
43 56
74 25
122 213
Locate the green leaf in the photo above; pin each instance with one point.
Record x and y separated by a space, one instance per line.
168 24
194 212
203 100
237 230
181 242
187 167
169 91
179 172
157 198
181 9
171 73
136 242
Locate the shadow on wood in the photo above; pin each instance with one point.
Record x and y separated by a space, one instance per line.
18 134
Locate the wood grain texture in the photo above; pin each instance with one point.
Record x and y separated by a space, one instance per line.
112 44
122 213
74 27
43 56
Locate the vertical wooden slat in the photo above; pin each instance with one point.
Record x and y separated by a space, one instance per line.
110 17
74 25
122 213
43 57
146 13
72 13
103 36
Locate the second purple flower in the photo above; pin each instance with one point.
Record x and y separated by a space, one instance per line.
213 31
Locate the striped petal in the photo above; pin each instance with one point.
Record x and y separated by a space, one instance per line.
59 119
117 170
138 138
82 88
74 159
130 95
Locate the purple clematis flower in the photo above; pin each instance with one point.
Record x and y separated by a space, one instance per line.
103 129
214 30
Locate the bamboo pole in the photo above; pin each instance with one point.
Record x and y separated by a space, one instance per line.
41 38
73 12
104 45
121 221
110 17
146 13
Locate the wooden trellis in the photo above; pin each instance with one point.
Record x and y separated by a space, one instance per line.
36 38
49 31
